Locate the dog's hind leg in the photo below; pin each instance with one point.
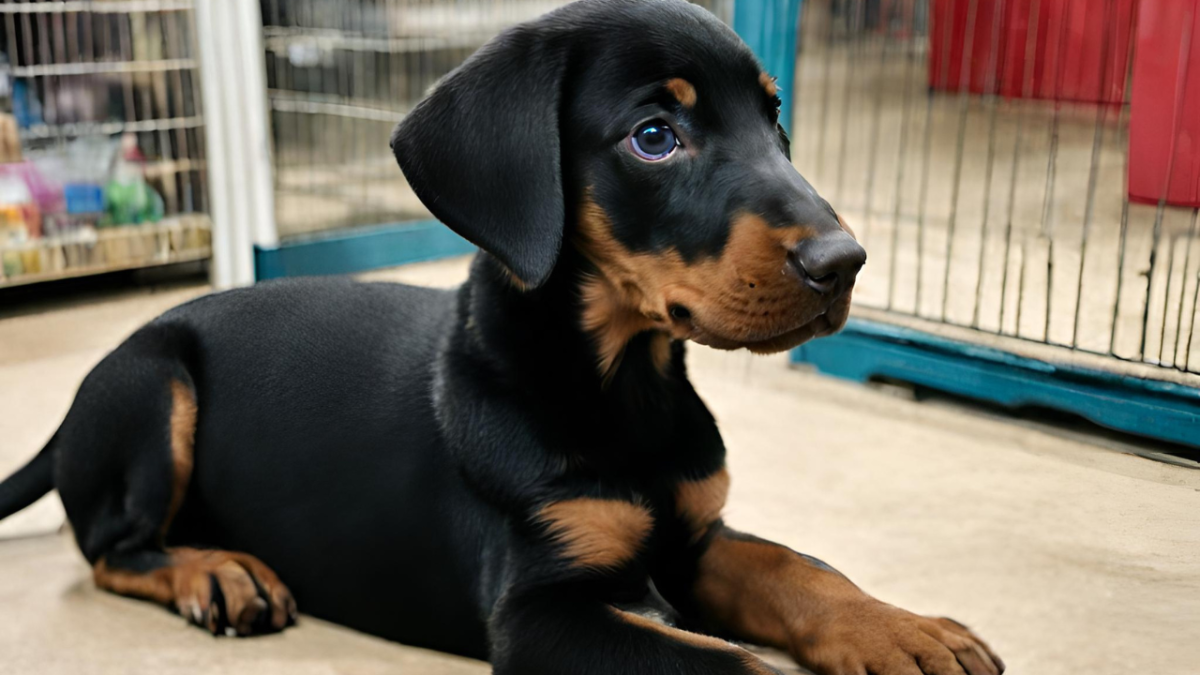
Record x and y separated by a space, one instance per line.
125 456
553 631
223 591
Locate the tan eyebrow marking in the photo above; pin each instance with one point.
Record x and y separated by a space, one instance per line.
683 91
768 84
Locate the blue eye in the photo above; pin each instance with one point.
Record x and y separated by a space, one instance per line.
653 140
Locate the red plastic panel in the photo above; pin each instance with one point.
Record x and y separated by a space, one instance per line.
1070 50
949 22
1164 123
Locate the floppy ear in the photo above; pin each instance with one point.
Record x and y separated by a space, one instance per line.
483 152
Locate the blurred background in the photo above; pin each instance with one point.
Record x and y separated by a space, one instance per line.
1012 424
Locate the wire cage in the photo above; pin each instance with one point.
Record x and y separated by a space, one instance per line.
103 140
340 74
982 151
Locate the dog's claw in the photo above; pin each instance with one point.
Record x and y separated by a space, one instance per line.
234 596
214 619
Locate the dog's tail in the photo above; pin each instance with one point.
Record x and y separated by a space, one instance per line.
29 483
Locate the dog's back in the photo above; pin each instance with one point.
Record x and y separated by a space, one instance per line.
323 429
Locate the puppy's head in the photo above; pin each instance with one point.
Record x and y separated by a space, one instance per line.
644 135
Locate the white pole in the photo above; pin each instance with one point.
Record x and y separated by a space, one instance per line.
241 190
258 124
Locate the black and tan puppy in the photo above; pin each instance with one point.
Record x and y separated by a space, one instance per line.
504 470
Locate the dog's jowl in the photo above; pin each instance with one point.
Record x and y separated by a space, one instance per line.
506 470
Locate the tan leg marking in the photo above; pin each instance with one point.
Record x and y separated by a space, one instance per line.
699 502
183 439
766 594
749 587
597 533
186 585
154 585
753 663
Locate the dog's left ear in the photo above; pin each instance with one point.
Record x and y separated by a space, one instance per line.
483 152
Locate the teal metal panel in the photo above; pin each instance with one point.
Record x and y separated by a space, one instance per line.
866 350
360 249
770 28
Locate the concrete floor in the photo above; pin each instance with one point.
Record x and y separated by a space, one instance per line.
1067 557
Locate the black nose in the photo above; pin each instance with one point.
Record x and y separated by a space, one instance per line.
828 262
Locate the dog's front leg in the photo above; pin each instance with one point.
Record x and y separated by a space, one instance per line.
767 594
568 568
566 629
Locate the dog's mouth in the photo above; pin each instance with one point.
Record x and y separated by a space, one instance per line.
825 322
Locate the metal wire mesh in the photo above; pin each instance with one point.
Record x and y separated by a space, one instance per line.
82 74
341 73
1005 212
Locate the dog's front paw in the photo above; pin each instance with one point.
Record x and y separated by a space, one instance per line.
873 637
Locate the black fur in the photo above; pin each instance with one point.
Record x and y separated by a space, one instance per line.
483 153
385 448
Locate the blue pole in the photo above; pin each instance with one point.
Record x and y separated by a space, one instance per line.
770 28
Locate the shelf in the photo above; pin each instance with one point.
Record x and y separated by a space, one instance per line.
27 279
89 251
93 7
41 131
282 40
102 67
371 30
326 104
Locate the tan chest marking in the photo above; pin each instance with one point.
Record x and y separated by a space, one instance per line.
660 352
597 533
699 502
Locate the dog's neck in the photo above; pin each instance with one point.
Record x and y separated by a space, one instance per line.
551 335
633 422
